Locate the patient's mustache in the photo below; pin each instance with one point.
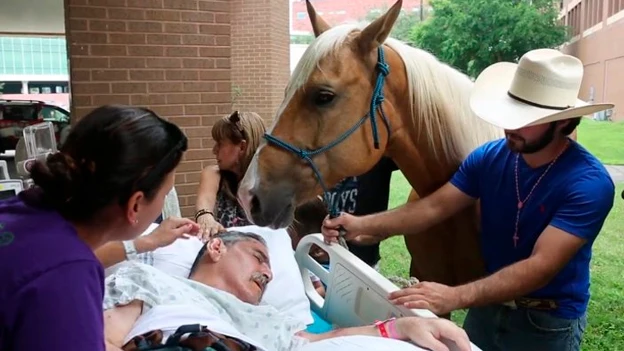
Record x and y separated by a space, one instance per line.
261 279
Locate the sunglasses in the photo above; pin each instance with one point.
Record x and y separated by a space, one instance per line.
236 122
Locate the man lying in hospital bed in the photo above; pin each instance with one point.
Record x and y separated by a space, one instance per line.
227 292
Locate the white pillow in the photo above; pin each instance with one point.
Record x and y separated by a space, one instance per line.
177 259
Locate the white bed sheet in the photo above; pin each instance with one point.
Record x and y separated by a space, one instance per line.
360 342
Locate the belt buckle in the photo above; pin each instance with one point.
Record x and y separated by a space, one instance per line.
511 304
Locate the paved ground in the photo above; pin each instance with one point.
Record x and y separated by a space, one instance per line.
617 173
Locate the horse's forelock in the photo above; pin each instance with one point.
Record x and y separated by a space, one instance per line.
327 44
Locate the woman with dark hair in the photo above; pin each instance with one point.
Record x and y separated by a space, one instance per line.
107 183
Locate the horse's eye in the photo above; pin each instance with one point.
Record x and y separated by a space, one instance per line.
323 98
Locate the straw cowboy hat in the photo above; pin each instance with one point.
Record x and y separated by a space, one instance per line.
543 87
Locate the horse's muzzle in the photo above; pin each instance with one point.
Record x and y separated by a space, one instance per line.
273 208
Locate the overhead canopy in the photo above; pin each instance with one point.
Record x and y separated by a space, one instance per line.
32 17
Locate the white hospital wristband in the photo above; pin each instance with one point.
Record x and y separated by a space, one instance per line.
131 252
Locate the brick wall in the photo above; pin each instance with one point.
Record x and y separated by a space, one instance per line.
174 56
260 54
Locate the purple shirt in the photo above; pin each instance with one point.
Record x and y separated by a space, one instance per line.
52 284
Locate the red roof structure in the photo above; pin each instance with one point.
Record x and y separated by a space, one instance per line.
343 11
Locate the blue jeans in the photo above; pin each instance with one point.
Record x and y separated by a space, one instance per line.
501 328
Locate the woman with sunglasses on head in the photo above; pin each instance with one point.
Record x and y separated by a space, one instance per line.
107 183
236 138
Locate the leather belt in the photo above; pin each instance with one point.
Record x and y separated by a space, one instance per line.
535 304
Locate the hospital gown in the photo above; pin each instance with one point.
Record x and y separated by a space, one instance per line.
264 324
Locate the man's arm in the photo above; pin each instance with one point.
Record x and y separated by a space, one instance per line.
118 322
367 330
425 332
578 221
553 250
461 191
417 216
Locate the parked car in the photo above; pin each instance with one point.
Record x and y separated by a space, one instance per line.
15 115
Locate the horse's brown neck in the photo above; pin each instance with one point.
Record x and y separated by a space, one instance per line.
413 155
423 175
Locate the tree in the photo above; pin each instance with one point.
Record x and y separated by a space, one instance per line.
403 25
473 34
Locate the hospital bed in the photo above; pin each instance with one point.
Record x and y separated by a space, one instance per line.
356 293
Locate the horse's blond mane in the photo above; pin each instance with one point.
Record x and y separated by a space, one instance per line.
440 102
438 94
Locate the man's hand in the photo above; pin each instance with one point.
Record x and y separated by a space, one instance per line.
438 298
168 231
429 333
354 227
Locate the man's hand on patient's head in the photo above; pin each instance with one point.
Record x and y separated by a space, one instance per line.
170 230
429 333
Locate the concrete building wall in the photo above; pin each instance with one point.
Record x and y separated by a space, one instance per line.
598 40
174 56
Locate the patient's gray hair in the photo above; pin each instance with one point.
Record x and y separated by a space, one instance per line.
228 238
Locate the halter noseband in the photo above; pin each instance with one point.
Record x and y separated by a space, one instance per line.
376 102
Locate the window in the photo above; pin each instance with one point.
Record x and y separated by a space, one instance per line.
574 20
11 87
301 15
615 6
33 55
51 114
593 12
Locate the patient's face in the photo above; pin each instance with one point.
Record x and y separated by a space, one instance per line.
246 270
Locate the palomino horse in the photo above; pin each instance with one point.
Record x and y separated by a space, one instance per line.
348 85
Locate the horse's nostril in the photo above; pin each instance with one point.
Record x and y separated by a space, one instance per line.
255 204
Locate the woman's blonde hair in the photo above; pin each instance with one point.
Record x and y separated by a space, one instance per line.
238 126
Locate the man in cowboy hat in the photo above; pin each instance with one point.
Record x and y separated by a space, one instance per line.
543 198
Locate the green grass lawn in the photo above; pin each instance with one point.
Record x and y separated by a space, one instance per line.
605 330
603 139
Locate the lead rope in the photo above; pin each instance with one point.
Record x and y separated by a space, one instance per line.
376 102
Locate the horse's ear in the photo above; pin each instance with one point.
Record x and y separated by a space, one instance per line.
318 24
375 34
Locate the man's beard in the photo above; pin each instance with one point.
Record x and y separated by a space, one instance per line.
518 144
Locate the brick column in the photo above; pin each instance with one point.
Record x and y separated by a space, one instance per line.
170 55
260 54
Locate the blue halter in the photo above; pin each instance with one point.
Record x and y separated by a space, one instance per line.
376 102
